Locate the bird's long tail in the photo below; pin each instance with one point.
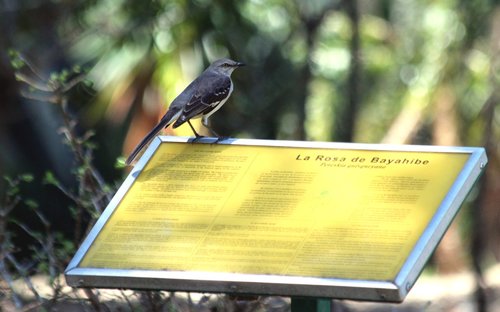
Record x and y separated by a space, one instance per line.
164 122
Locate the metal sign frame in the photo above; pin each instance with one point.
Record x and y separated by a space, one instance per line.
392 291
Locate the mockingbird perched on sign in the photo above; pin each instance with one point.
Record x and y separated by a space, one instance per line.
203 97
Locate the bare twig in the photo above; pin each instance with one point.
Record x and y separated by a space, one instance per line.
36 84
7 277
125 297
94 300
24 272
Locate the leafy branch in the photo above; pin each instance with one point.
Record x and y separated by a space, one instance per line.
92 193
10 267
51 250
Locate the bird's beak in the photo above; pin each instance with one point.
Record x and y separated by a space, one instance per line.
240 64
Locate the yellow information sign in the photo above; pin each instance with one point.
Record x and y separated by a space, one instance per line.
321 212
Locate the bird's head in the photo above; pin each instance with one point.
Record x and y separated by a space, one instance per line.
225 66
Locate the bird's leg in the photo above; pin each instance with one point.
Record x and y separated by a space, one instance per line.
213 132
222 138
204 121
194 131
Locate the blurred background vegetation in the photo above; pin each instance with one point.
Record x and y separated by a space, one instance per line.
402 71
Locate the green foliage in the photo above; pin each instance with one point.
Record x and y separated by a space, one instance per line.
49 178
26 177
10 199
15 59
120 163
30 203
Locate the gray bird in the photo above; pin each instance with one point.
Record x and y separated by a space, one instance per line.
202 97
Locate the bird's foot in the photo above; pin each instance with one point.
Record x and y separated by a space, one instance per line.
196 138
222 138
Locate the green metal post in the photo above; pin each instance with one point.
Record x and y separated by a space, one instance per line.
310 305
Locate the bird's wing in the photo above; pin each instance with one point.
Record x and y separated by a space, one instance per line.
205 98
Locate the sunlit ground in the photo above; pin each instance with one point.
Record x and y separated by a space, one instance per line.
454 292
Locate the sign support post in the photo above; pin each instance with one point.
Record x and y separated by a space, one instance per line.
313 305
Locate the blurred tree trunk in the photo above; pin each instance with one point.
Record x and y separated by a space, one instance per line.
144 115
450 254
312 20
486 223
346 115
311 25
304 80
406 124
486 215
354 80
